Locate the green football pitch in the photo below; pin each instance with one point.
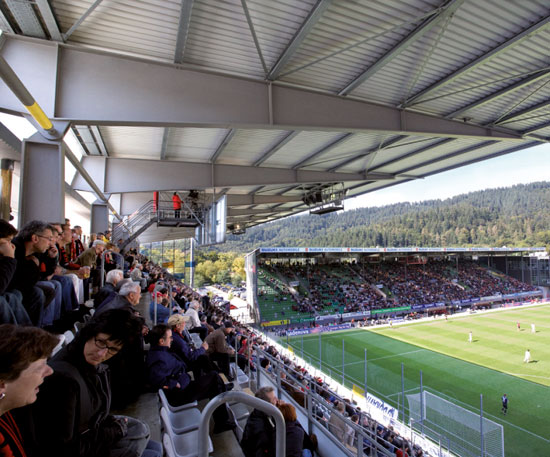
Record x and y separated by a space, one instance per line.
454 368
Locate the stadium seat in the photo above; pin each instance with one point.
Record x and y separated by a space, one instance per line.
183 445
184 421
174 409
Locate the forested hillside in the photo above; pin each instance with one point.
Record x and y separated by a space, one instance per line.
511 216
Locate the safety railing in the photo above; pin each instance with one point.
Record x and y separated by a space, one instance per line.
256 403
119 264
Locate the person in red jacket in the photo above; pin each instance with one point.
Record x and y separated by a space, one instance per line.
176 203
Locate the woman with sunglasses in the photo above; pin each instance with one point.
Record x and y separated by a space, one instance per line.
71 416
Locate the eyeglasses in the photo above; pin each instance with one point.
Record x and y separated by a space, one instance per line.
102 344
49 238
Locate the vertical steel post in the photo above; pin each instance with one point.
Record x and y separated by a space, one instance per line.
403 391
320 353
343 361
482 443
421 405
366 373
192 262
7 166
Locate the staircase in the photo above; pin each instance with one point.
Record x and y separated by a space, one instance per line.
161 213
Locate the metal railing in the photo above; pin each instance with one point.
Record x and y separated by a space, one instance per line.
256 403
118 257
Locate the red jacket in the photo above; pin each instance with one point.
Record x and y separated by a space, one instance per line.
176 201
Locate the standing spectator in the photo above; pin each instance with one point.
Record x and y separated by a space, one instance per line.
23 355
176 204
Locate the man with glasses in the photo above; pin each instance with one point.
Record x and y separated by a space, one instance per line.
34 239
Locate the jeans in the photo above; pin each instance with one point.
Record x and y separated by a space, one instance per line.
53 310
135 441
70 300
12 310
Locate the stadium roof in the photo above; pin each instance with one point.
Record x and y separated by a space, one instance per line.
265 101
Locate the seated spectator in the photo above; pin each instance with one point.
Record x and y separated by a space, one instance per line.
195 322
136 276
127 298
162 307
89 259
34 239
337 425
71 415
218 349
108 291
259 431
295 434
168 372
23 356
195 358
11 306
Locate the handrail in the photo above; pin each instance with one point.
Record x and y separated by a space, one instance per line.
241 397
102 269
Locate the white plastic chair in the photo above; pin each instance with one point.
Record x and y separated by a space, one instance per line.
174 409
184 421
184 445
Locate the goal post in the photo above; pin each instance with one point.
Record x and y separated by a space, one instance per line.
461 430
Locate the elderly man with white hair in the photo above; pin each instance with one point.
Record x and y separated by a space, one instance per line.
194 324
108 291
127 298
137 276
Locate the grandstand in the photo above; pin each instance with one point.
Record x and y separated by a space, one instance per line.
297 286
257 110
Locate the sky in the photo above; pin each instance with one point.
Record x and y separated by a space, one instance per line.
529 165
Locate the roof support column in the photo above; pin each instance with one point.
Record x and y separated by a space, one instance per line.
5 200
100 217
42 188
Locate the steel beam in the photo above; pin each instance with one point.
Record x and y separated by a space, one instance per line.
251 212
183 29
223 145
536 76
413 153
164 144
536 128
86 87
481 60
87 139
134 175
323 149
99 140
311 20
49 20
361 155
287 139
132 201
449 8
26 19
81 19
524 112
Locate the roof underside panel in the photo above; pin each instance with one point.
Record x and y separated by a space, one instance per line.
193 144
133 142
139 27
247 146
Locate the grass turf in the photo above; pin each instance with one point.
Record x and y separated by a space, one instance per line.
491 365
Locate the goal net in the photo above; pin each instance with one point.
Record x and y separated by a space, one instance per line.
456 428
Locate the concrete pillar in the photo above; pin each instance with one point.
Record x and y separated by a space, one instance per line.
42 188
7 173
100 217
